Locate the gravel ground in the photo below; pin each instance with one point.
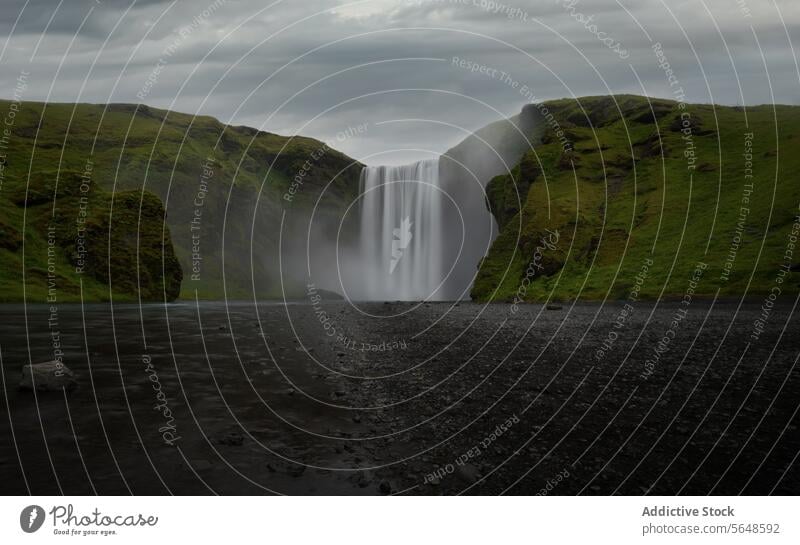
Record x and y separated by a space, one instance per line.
434 398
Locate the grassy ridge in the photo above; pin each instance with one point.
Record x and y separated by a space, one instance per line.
201 169
67 243
656 188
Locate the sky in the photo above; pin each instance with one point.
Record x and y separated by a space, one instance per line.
392 81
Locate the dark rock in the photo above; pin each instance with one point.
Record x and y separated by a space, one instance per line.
328 295
232 440
468 472
567 160
51 376
295 470
692 124
10 238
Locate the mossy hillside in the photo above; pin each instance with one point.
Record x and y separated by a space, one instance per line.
136 148
86 244
632 198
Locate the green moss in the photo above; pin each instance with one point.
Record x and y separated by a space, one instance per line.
138 153
632 198
82 246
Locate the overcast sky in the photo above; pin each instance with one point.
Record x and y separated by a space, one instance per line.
319 67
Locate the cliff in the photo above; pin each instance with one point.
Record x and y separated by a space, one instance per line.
627 196
198 196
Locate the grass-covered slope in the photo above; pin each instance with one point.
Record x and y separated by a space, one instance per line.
223 188
625 196
61 248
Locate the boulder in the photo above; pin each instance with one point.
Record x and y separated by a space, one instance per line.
468 472
51 376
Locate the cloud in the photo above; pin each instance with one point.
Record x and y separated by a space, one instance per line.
320 66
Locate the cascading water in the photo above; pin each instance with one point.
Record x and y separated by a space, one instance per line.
402 232
425 227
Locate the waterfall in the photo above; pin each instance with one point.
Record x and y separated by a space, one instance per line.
423 229
402 232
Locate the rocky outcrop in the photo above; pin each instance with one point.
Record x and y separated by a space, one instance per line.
170 203
51 376
85 243
657 187
466 173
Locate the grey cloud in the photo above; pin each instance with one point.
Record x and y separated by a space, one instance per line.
473 33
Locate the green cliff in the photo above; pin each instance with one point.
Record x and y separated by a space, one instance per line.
87 244
227 192
626 197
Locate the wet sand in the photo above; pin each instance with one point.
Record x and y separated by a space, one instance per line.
403 398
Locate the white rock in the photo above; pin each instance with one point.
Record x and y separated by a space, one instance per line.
51 376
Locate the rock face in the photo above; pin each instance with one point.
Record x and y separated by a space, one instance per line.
139 258
122 165
609 175
464 172
96 242
51 376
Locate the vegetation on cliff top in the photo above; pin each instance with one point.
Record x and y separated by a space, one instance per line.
637 192
221 186
87 244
